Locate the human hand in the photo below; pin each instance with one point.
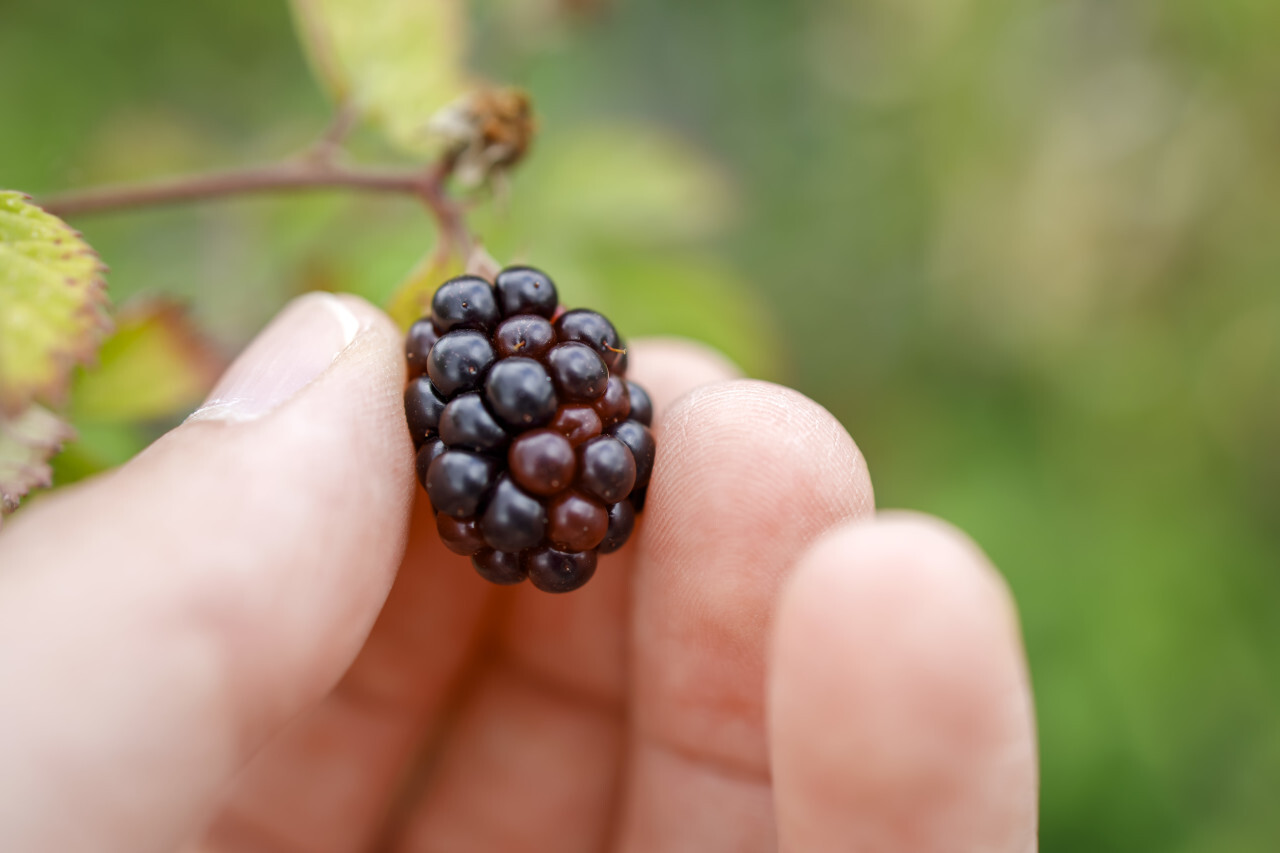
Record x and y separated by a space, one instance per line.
766 665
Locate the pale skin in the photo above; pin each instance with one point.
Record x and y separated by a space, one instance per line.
251 639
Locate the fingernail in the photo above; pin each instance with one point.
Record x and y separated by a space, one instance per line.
293 350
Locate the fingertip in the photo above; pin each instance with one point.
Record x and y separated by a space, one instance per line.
899 699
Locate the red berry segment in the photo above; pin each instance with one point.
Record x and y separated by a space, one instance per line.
615 403
576 522
525 335
499 567
560 571
542 462
577 423
460 536
606 469
532 445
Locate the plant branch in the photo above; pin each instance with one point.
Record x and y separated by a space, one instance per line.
291 176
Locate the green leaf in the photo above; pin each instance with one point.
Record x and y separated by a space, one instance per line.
157 364
52 304
26 443
394 61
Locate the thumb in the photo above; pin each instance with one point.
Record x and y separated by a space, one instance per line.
159 622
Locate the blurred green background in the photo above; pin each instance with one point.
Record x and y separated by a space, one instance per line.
1028 252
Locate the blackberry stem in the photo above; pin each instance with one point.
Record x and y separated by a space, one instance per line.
308 173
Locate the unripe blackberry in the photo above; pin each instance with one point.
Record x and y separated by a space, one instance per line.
533 447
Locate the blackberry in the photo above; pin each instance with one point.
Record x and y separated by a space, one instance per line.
465 302
514 519
457 482
559 571
525 335
592 329
466 423
499 567
524 290
639 441
641 405
606 469
422 336
459 361
520 392
579 373
423 406
622 520
532 445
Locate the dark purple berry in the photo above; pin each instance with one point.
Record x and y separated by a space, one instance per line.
578 371
466 423
500 567
615 403
466 302
559 571
533 447
525 290
459 362
461 536
524 335
575 522
542 462
622 520
427 454
641 405
417 345
513 520
606 469
520 393
423 407
576 423
637 437
458 481
592 329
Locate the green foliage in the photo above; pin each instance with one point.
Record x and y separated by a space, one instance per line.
54 302
1024 250
397 61
52 315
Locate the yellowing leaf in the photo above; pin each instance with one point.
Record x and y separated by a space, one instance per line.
26 443
52 303
156 364
396 61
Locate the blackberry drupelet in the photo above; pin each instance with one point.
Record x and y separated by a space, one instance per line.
533 446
